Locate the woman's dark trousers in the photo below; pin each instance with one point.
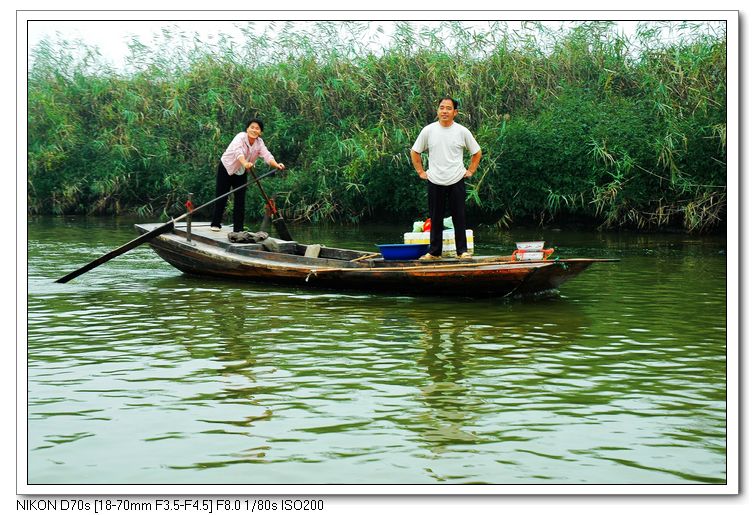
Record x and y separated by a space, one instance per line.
225 183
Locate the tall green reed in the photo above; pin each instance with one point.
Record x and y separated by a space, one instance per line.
576 122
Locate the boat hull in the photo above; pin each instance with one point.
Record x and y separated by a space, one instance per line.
210 254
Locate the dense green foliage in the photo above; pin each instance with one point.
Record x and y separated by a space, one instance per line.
580 122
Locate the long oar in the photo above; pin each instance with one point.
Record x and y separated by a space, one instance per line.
279 223
167 226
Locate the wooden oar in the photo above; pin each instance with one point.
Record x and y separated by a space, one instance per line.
279 223
424 268
147 236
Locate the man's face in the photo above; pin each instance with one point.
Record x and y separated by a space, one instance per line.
446 111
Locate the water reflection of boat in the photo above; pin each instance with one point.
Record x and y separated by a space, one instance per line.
210 253
479 361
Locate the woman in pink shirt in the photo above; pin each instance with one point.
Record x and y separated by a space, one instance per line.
239 157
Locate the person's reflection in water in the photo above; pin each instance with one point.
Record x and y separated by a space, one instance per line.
233 339
447 394
458 352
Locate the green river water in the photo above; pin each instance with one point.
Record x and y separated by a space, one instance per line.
138 374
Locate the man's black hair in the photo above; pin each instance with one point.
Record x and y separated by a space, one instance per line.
257 121
452 99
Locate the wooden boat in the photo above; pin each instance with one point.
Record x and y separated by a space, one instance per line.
200 251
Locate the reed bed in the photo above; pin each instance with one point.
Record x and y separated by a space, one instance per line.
580 123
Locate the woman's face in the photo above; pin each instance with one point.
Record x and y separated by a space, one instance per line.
253 131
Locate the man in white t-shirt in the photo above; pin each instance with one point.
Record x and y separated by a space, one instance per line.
445 141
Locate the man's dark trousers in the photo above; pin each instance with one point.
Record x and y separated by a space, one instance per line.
436 200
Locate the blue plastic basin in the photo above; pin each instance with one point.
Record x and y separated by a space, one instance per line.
403 250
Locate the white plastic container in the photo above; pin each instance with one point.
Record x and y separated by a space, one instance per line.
449 241
530 245
530 256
